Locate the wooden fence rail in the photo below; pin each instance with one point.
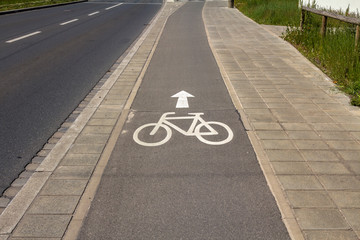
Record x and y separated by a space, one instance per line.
325 15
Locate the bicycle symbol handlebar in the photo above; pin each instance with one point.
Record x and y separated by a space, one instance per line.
194 130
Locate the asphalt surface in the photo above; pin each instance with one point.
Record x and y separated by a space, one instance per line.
185 188
50 59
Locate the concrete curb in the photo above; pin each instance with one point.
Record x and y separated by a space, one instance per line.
39 7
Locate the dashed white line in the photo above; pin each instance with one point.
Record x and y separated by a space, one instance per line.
113 6
22 37
64 23
90 14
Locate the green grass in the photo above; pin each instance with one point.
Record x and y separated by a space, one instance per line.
335 54
273 12
6 5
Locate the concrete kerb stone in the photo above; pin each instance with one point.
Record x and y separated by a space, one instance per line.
11 216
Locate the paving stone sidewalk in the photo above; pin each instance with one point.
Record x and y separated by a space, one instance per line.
308 132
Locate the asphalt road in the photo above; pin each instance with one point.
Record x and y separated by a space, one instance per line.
50 59
179 184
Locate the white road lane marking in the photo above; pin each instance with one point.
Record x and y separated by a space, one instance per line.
113 6
64 23
91 14
22 37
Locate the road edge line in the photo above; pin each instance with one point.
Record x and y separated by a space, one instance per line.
287 214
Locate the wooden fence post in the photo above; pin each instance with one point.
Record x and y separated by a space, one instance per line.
302 20
357 36
323 26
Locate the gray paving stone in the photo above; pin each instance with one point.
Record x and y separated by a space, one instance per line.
291 168
335 135
26 174
97 129
266 126
328 168
330 235
102 122
351 127
4 202
278 144
86 148
350 155
261 117
251 100
275 100
32 166
38 160
19 182
346 199
44 226
327 127
272 134
309 199
61 187
334 182
303 135
106 114
73 172
80 159
353 217
344 145
319 155
318 119
296 126
92 138
309 218
254 105
11 192
297 182
284 155
54 205
356 135
311 144
355 167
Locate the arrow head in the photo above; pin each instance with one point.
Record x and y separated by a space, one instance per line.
182 94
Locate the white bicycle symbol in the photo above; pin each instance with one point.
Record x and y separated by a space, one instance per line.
194 130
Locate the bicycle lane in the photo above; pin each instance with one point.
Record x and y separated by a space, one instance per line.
185 187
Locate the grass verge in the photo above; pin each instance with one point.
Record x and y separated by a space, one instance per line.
334 54
6 5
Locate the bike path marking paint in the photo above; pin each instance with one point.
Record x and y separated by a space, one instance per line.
182 101
194 130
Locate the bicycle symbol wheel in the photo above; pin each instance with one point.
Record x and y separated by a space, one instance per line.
200 135
146 132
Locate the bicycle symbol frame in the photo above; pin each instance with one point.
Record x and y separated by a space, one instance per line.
194 129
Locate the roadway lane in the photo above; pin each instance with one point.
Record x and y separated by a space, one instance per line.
194 186
44 76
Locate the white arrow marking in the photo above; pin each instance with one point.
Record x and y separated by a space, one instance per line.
182 101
